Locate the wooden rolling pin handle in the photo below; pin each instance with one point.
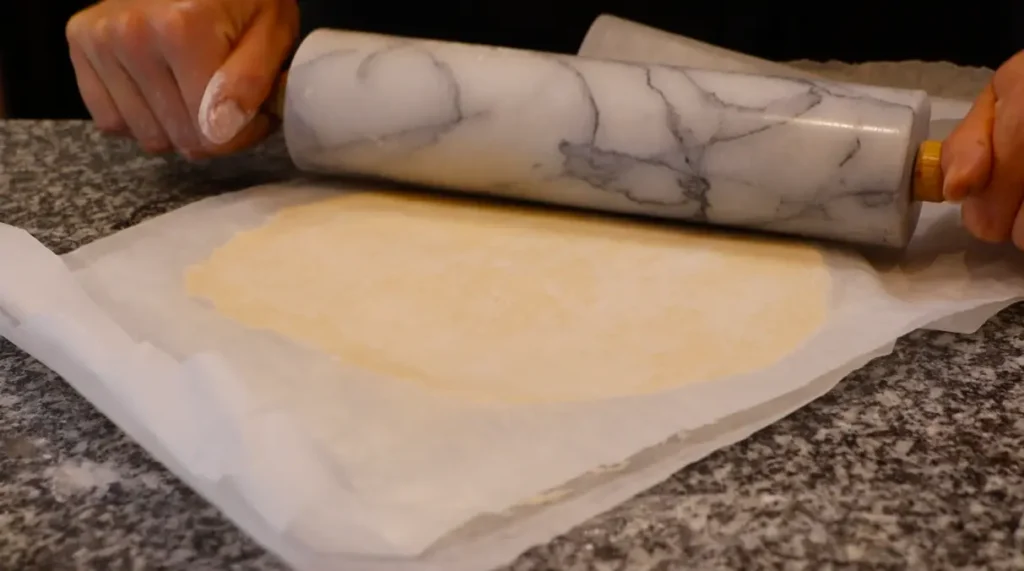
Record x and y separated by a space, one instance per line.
927 182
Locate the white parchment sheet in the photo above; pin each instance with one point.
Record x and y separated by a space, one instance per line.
334 469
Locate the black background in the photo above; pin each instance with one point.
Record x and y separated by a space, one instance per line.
39 81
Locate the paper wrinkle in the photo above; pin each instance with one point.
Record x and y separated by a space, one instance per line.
359 473
610 37
196 408
300 483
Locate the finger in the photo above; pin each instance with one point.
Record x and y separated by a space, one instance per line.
125 93
95 96
153 77
967 153
990 214
258 128
1017 234
238 89
194 46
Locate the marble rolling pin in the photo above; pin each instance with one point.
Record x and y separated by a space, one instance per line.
830 161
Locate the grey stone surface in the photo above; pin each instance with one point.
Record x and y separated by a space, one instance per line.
915 461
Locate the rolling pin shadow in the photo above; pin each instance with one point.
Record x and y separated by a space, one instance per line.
812 158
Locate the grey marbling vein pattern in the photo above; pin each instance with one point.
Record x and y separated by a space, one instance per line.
815 158
914 462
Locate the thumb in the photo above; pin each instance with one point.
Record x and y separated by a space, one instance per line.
233 97
967 153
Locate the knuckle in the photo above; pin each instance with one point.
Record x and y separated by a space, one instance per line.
103 31
131 29
173 25
76 26
88 31
124 27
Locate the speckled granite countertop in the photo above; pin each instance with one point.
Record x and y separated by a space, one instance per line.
916 461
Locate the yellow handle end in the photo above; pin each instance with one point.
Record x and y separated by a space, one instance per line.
927 183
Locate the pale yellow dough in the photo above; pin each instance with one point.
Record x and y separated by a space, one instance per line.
509 304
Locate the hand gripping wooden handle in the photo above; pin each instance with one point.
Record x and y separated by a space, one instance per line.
926 185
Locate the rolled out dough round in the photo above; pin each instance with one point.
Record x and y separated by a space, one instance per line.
516 305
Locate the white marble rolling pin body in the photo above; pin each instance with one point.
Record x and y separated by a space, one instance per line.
796 156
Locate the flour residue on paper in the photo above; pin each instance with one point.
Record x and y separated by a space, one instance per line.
516 305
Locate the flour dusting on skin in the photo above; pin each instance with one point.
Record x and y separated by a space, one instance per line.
220 120
76 477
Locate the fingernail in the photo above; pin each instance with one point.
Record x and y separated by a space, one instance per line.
952 187
224 122
220 120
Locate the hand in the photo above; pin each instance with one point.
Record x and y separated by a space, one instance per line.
184 75
983 159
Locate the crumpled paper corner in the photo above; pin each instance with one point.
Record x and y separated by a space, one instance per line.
143 391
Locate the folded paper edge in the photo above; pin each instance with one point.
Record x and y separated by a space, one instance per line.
105 370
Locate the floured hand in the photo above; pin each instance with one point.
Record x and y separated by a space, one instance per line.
182 75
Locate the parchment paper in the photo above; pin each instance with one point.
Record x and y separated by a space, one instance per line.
952 88
333 469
